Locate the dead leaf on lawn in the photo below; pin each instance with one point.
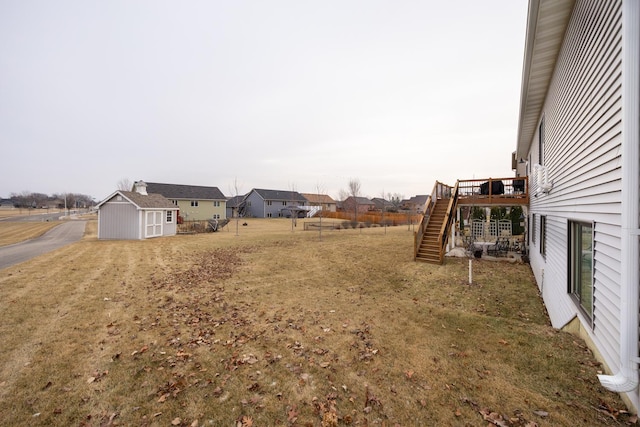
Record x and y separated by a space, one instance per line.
292 414
245 421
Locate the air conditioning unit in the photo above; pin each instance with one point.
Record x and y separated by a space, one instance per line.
543 182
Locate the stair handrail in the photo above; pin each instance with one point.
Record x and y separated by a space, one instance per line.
439 191
449 217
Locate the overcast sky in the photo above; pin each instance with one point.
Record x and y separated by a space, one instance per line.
302 95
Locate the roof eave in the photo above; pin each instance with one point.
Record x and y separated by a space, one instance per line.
546 25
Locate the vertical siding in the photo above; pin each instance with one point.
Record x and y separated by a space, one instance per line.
255 206
582 152
170 229
118 220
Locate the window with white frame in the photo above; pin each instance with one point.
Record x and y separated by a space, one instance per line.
194 203
533 228
216 203
541 142
543 235
169 217
581 264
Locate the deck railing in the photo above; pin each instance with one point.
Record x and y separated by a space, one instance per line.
449 220
494 190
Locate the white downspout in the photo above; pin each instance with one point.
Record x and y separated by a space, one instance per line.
626 380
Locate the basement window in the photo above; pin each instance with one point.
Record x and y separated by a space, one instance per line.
581 265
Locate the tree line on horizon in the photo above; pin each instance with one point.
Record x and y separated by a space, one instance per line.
32 200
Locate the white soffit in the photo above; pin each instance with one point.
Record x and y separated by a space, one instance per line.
546 24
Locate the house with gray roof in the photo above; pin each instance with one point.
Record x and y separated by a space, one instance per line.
235 206
195 202
358 204
136 215
7 204
382 204
415 204
324 201
261 203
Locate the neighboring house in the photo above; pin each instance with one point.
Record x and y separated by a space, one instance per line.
579 135
7 204
322 200
382 204
415 204
136 215
235 206
260 203
362 204
195 202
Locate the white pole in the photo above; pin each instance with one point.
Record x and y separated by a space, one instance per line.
470 271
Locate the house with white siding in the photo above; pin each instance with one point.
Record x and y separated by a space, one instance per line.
579 137
136 215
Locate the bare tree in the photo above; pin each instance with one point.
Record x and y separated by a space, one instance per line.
235 191
342 195
396 200
384 208
294 213
319 192
354 191
125 184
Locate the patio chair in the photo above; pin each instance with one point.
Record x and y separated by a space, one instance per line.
493 249
500 248
503 246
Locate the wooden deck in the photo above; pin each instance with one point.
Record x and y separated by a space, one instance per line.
512 191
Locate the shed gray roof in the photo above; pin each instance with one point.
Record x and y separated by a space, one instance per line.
280 195
148 201
185 192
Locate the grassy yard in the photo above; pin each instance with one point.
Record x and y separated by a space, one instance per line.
14 232
279 327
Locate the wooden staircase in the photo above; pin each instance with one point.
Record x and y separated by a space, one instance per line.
429 249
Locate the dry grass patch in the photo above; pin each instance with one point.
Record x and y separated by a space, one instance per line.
11 213
274 327
14 232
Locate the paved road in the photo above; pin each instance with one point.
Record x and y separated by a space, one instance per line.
62 235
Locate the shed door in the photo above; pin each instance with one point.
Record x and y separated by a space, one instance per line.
154 224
